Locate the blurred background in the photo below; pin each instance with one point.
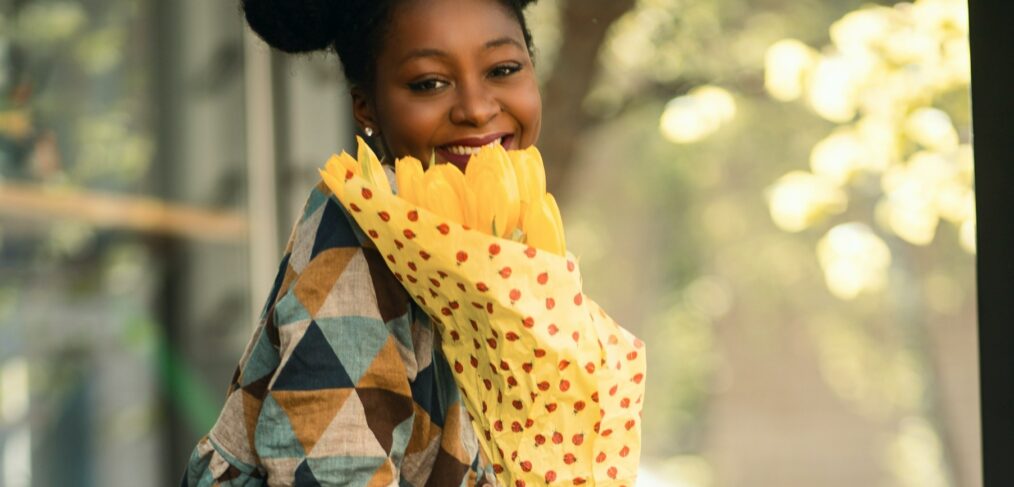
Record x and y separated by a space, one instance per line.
776 195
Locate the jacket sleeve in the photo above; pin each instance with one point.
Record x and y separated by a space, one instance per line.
322 393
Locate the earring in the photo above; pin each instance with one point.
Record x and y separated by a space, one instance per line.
369 131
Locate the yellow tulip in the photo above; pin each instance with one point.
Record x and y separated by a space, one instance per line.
544 228
371 168
440 196
554 210
491 175
531 176
408 174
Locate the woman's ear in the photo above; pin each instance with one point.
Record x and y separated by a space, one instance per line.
362 110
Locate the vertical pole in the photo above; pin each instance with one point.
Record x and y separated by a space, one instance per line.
992 108
261 155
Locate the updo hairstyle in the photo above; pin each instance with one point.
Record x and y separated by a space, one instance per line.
353 29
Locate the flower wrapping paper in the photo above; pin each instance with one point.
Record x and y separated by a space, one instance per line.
553 386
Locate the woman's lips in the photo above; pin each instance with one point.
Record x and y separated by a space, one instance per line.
461 160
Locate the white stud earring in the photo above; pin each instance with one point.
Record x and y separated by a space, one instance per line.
369 131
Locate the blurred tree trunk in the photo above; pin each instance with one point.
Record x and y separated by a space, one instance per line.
584 24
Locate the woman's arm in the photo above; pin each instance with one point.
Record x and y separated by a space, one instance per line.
323 389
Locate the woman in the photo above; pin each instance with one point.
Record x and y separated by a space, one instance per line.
342 383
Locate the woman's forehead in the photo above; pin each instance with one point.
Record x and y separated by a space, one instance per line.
449 28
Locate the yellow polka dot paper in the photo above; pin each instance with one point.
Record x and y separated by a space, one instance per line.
553 386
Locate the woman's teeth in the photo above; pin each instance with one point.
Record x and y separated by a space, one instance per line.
464 150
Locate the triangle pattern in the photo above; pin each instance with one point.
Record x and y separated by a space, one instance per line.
230 431
400 438
279 277
319 276
424 392
334 230
289 310
316 199
303 239
348 434
304 476
312 366
416 467
384 476
352 294
386 370
385 410
351 470
261 362
355 340
282 469
456 425
423 431
311 411
275 437
391 297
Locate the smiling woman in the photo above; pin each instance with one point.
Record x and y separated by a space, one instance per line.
343 381
452 77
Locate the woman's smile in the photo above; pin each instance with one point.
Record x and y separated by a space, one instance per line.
459 151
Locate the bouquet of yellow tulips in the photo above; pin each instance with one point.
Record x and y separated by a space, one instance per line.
553 386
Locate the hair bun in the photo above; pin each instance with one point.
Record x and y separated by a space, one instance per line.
294 25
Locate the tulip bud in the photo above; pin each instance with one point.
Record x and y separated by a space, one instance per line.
371 168
440 196
543 227
409 176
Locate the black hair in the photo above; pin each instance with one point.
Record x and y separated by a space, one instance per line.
353 29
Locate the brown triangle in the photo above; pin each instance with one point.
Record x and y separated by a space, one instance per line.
384 476
311 411
387 371
423 430
319 276
455 421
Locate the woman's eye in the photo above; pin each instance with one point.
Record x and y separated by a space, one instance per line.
426 85
504 70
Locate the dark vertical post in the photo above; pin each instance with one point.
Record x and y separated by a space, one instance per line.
992 38
166 97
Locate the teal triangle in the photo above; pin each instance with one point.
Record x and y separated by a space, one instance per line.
289 309
401 328
351 470
262 361
355 340
315 200
399 439
275 437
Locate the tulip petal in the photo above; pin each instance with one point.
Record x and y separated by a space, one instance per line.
542 231
408 176
441 199
372 170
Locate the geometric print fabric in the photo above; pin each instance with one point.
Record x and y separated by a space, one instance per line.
343 381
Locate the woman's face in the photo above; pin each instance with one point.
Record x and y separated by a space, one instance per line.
452 76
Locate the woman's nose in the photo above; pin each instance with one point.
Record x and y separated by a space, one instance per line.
475 106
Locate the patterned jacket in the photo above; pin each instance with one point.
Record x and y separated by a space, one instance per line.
343 381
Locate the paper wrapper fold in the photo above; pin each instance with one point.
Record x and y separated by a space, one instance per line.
553 385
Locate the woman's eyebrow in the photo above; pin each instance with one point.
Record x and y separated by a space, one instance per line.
504 41
431 52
